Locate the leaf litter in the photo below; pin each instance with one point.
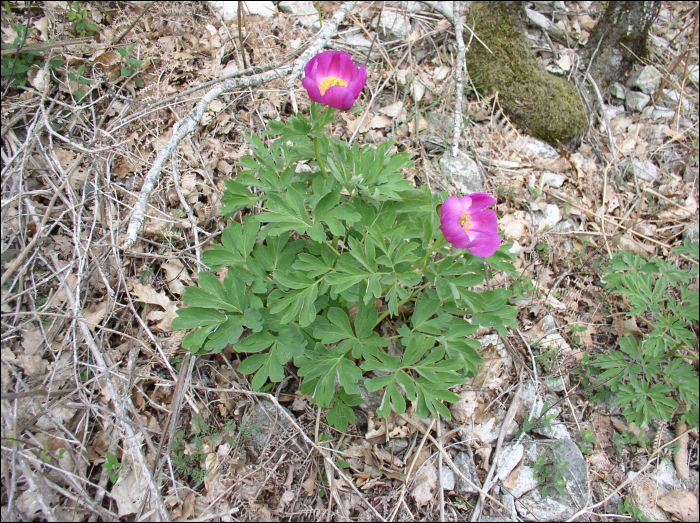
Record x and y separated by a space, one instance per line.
214 467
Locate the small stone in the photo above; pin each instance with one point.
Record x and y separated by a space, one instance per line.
665 475
637 101
447 478
229 9
694 74
304 10
526 482
535 148
612 111
662 114
642 169
266 424
672 98
692 234
463 172
618 90
647 79
370 400
533 506
465 464
393 23
547 218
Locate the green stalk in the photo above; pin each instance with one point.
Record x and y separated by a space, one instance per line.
412 297
317 150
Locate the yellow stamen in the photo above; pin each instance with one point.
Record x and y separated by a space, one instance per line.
465 221
328 82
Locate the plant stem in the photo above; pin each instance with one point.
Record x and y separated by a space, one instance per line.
402 302
317 150
430 251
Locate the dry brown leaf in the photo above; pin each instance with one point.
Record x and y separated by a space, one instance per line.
32 341
680 503
163 319
512 480
177 276
310 484
95 313
394 110
424 484
627 327
514 226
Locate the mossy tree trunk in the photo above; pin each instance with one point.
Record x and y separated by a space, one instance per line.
619 39
543 105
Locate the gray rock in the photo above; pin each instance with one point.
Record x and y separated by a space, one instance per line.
509 502
465 464
356 40
549 324
393 24
229 9
396 446
642 169
647 79
611 111
692 234
637 101
370 400
672 98
304 10
534 148
618 90
463 172
549 217
665 475
447 479
694 75
662 114
556 430
533 506
529 398
526 482
267 424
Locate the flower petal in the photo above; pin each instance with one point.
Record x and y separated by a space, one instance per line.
451 209
312 89
479 201
358 82
485 245
484 221
454 234
335 97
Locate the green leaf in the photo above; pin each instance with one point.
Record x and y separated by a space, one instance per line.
340 416
193 317
328 365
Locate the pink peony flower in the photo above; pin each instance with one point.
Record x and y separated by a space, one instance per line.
331 78
467 225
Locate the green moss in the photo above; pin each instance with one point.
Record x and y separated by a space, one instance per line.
540 104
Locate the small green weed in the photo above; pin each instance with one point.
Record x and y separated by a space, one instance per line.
132 64
627 508
78 15
113 465
549 471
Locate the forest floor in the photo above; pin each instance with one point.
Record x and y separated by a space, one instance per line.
92 389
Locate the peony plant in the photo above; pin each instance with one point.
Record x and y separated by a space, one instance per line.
341 275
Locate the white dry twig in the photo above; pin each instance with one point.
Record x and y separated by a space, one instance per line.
459 76
190 122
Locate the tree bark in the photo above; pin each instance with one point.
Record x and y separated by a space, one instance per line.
619 39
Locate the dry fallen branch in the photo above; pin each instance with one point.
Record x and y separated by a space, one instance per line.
190 122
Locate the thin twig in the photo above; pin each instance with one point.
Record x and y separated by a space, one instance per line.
459 81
